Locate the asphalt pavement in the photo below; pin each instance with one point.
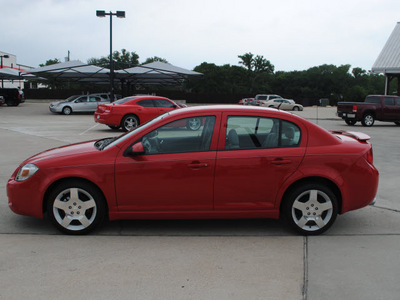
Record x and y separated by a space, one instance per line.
358 258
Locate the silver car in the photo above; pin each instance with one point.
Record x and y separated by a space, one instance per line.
78 103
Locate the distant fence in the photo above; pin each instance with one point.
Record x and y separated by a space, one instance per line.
175 95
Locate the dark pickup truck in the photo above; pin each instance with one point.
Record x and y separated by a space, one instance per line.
375 107
12 96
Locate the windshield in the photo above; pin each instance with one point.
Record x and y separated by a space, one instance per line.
128 134
69 99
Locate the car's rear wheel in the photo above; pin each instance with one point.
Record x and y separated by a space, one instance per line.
67 110
310 209
129 122
350 122
76 207
368 120
193 124
296 108
12 103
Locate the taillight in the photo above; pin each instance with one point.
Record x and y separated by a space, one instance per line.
369 156
354 108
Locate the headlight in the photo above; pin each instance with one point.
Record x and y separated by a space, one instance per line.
26 171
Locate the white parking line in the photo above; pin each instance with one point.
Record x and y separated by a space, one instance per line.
88 129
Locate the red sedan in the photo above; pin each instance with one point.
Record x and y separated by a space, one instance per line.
130 112
160 170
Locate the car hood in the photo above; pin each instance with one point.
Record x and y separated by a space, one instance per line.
64 152
58 102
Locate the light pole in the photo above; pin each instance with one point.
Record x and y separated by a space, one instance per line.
119 14
1 58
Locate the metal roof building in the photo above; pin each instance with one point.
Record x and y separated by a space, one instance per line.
388 61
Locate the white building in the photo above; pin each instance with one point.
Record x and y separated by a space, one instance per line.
9 60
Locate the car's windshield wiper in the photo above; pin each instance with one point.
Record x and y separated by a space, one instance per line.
101 144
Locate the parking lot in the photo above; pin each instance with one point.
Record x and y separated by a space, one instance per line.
358 258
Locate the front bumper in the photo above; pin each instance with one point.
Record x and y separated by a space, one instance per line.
55 109
22 200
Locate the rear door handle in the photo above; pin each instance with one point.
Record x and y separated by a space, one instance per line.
197 165
281 161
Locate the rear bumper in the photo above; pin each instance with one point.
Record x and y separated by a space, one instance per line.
345 115
105 119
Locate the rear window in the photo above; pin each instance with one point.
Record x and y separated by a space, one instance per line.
121 101
373 99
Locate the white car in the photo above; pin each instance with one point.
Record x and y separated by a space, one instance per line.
78 103
260 99
284 104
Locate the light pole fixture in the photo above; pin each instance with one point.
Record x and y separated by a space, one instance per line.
1 58
119 14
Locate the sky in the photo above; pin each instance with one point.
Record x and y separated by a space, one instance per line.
291 34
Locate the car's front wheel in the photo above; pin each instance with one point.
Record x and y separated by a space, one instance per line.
76 207
296 108
129 122
310 209
67 110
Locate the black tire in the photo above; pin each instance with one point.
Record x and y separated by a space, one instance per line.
310 209
193 124
129 122
368 120
11 103
76 207
397 123
67 110
350 122
296 108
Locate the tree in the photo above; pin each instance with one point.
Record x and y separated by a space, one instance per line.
50 62
153 59
247 60
257 67
122 60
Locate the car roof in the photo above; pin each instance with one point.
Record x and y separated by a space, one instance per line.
230 108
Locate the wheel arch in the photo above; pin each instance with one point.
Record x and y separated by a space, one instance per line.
129 114
66 179
369 112
314 179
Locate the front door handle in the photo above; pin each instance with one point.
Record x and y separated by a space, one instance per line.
281 161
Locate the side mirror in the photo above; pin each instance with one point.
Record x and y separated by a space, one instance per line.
136 149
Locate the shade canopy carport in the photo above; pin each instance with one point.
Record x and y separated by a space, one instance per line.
388 61
156 73
10 74
72 71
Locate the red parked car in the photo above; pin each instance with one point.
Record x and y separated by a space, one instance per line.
130 112
161 170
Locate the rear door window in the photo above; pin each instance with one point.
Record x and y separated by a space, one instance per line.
247 132
146 103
